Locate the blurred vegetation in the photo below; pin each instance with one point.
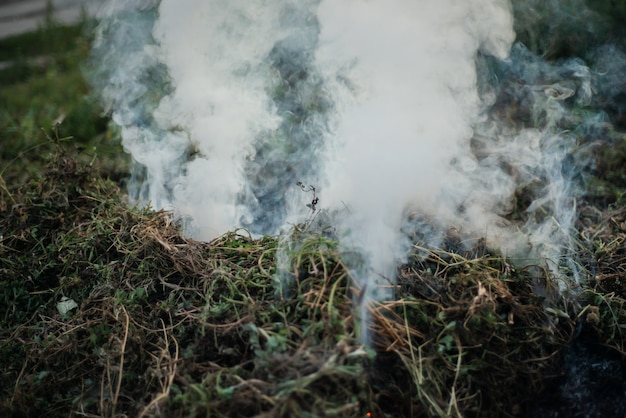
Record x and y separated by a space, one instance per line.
556 29
42 89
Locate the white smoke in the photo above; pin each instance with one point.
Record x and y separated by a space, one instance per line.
407 113
215 53
387 106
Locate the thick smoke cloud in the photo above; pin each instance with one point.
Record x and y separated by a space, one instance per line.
406 113
409 118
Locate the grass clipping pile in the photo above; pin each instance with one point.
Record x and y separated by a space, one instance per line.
106 310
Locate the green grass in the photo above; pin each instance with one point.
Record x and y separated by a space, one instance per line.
49 39
43 93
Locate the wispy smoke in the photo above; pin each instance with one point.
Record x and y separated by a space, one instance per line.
398 111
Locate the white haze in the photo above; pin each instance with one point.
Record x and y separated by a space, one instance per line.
385 94
407 112
214 52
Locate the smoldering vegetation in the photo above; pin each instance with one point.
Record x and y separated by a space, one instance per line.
111 309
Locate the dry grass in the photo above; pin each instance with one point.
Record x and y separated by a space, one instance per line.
168 326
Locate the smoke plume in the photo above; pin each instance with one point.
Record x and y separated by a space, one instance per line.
406 100
407 117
